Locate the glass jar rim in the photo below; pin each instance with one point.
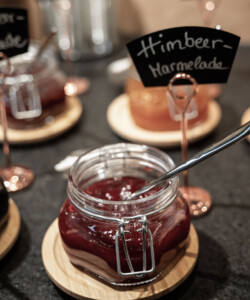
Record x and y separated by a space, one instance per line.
169 191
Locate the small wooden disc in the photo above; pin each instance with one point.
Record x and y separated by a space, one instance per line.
60 124
81 286
10 230
245 118
122 123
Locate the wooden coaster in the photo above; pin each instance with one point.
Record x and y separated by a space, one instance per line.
245 118
81 286
60 124
10 231
122 123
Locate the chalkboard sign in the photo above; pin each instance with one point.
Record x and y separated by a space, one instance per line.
206 54
14 38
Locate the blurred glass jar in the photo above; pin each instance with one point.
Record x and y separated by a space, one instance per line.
152 109
34 94
87 29
104 234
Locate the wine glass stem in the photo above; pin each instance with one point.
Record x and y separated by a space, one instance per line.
207 11
6 148
184 145
65 10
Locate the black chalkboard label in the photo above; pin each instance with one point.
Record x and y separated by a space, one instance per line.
204 53
14 38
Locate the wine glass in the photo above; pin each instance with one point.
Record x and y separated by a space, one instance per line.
207 9
15 177
75 85
198 199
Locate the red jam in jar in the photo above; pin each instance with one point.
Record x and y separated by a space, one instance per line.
96 216
30 86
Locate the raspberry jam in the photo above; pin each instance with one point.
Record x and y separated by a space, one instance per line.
90 217
116 188
43 82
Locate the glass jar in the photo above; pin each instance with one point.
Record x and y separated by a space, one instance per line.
122 242
34 94
150 109
87 29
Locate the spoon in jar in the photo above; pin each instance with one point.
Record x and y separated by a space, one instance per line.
230 139
43 46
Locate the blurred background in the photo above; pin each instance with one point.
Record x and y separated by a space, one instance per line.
121 20
137 16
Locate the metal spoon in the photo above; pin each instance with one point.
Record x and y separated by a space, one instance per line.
45 43
235 136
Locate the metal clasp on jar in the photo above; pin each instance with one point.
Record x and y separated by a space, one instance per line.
121 234
25 101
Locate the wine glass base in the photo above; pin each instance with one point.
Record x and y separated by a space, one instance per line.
76 86
16 178
198 199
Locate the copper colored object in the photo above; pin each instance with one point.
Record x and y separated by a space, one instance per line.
76 86
15 177
199 200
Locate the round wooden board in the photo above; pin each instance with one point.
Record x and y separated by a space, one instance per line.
81 286
10 231
122 123
61 123
245 118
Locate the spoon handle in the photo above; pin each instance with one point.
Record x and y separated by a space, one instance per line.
230 139
43 47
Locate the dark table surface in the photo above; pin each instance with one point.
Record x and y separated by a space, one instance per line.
223 266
